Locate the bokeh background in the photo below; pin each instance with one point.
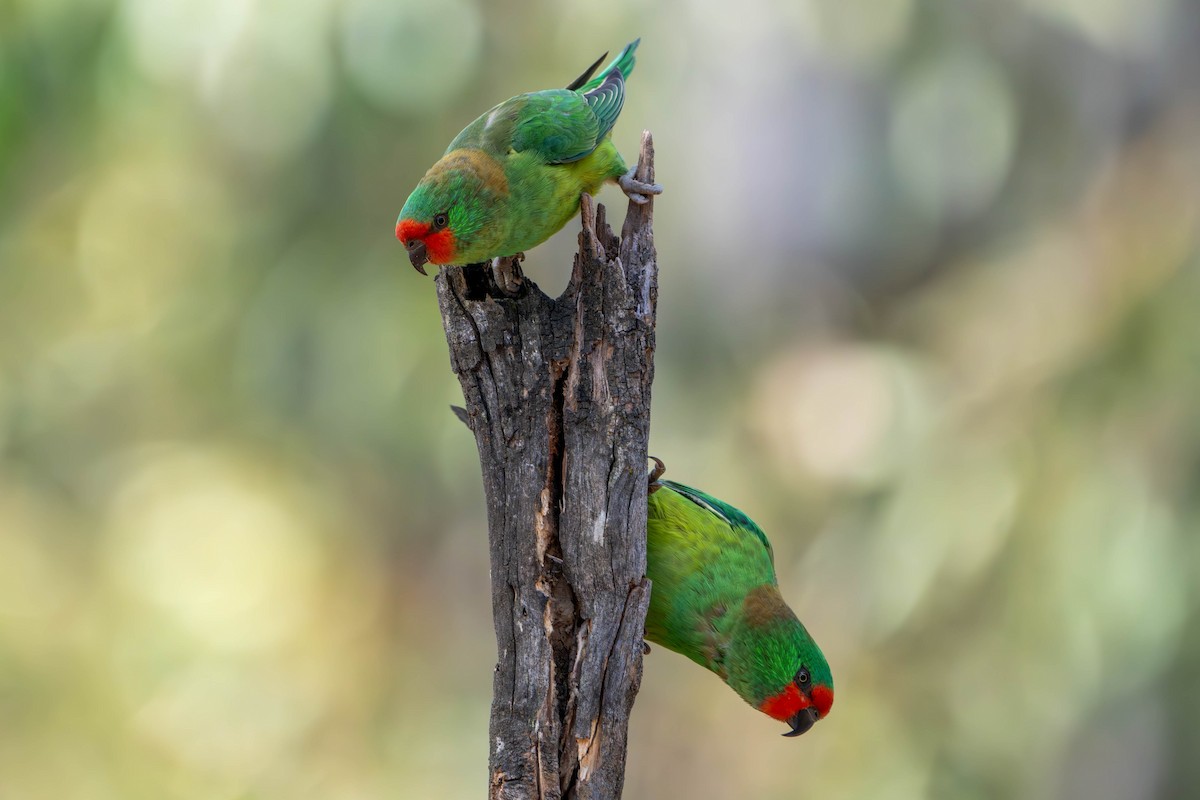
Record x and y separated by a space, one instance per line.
930 312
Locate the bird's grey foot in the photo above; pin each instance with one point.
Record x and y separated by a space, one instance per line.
645 647
506 271
637 191
655 474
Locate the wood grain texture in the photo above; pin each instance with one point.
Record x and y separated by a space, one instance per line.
557 394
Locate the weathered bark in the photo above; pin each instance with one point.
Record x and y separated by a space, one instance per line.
558 396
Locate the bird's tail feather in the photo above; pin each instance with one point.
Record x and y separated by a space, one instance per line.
624 62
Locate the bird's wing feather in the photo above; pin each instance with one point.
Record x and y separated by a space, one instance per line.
559 125
607 100
587 74
732 516
623 62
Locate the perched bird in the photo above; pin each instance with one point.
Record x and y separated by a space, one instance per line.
514 176
714 599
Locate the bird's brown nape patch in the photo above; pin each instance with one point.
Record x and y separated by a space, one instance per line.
763 604
490 173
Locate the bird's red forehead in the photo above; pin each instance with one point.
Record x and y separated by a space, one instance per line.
440 245
407 229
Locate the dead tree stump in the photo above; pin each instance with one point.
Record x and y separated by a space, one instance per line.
558 396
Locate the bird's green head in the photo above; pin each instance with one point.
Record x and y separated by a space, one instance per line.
775 665
453 215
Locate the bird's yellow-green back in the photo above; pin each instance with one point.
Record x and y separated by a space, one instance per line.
702 566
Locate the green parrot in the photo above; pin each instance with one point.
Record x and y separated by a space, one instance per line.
714 599
514 176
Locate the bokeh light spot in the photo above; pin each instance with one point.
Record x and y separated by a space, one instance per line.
858 32
953 134
144 229
172 41
1127 26
945 520
842 413
408 56
231 722
33 583
210 540
269 100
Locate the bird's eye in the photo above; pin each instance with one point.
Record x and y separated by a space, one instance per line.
802 677
440 221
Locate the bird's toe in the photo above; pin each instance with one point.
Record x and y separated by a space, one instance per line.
638 191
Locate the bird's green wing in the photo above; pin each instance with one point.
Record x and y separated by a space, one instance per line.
605 93
734 517
607 100
562 126
558 125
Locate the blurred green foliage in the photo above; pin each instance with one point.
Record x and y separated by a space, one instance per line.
928 312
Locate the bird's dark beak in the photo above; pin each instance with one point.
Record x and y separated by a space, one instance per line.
804 719
417 254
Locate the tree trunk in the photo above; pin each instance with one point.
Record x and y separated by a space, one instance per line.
558 396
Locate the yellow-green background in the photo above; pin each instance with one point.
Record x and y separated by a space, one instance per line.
929 311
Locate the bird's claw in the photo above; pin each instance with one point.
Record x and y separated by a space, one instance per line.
638 192
655 474
507 273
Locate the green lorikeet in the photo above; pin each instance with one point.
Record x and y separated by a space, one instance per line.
715 600
514 176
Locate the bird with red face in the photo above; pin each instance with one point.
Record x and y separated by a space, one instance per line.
514 176
714 598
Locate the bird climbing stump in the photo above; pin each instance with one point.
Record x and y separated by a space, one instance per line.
558 396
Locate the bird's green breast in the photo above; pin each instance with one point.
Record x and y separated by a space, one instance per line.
545 197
